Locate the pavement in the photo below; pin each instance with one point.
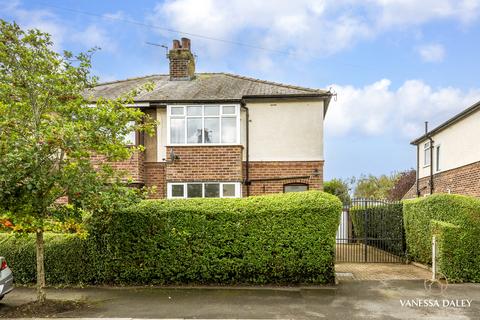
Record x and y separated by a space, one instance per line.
378 299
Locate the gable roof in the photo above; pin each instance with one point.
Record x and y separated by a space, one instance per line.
204 87
465 113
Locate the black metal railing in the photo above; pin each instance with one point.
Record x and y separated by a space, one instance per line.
371 230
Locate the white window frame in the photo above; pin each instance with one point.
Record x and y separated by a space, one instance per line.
426 150
238 189
236 115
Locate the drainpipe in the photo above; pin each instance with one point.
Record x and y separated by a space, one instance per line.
418 170
431 156
247 149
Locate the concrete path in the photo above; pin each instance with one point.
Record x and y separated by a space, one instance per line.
380 271
349 300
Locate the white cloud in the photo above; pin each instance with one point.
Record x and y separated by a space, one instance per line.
377 109
432 52
44 20
95 36
305 27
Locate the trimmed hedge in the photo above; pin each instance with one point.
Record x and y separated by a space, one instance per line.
385 224
455 219
65 258
287 238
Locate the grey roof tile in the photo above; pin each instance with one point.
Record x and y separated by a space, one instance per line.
205 86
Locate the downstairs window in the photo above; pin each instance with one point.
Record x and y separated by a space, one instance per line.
178 190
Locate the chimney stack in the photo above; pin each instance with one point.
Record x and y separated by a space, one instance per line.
182 62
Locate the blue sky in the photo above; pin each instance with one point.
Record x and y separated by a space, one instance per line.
393 63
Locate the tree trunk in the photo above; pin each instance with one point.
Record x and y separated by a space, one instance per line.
41 294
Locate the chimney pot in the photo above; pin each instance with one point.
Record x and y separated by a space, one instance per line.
185 43
176 44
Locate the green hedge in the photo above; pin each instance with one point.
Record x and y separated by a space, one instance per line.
385 224
66 258
287 238
455 219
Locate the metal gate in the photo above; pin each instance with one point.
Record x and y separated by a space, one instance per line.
371 230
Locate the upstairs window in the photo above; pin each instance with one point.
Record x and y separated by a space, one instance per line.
203 124
426 154
131 137
437 159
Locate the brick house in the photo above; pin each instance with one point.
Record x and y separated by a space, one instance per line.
448 157
224 135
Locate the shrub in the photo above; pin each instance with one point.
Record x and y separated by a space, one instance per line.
384 223
66 259
287 238
456 221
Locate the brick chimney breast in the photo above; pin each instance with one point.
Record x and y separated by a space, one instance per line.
182 61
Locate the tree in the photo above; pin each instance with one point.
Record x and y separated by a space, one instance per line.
339 188
374 187
403 182
49 131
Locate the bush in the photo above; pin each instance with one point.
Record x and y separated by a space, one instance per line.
287 238
385 225
455 219
66 259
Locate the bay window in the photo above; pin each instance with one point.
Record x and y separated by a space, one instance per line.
203 124
203 190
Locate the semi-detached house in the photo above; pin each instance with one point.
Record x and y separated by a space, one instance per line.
224 135
448 156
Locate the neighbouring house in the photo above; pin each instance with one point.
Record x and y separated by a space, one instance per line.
448 157
224 135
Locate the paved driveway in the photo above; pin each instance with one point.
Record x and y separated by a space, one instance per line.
380 271
348 300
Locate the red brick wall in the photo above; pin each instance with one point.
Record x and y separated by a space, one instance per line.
219 163
281 169
205 163
155 176
134 167
464 180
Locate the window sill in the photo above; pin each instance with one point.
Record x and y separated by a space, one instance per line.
206 145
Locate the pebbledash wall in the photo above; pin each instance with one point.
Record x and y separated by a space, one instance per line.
286 147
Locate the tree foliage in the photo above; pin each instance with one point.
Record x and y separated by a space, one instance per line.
374 187
403 182
339 188
49 131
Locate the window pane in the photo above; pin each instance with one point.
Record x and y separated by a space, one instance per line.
177 190
438 158
229 130
194 111
212 110
194 190
212 190
228 110
194 130
212 130
177 130
295 187
176 110
129 138
228 190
